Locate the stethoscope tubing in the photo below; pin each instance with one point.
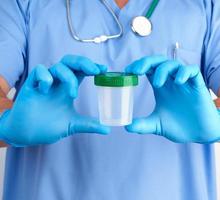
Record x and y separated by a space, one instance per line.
97 39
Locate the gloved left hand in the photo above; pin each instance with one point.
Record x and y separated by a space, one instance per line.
43 112
184 109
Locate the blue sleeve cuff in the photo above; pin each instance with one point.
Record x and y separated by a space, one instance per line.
11 65
214 81
12 40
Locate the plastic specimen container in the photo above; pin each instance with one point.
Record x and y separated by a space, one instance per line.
115 97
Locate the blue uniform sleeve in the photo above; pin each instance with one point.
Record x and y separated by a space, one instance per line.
211 65
13 34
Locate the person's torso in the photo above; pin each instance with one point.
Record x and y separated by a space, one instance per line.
120 165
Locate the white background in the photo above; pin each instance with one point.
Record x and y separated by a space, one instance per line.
2 162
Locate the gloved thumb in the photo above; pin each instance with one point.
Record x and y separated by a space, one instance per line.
87 125
148 125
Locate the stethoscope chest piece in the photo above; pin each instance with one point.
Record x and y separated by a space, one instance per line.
141 26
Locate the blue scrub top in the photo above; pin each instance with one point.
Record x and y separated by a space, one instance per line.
119 166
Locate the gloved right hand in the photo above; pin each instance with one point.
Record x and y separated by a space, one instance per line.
43 112
184 110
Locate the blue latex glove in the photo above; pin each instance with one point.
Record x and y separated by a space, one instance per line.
43 112
184 110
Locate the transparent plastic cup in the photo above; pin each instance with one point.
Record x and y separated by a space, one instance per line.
115 98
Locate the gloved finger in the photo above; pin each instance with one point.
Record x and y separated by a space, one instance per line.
164 71
81 64
145 64
196 78
185 73
148 125
62 73
182 75
102 68
82 124
40 78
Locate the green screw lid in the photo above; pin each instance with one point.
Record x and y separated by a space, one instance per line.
116 79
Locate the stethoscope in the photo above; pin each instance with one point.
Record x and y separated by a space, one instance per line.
140 25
